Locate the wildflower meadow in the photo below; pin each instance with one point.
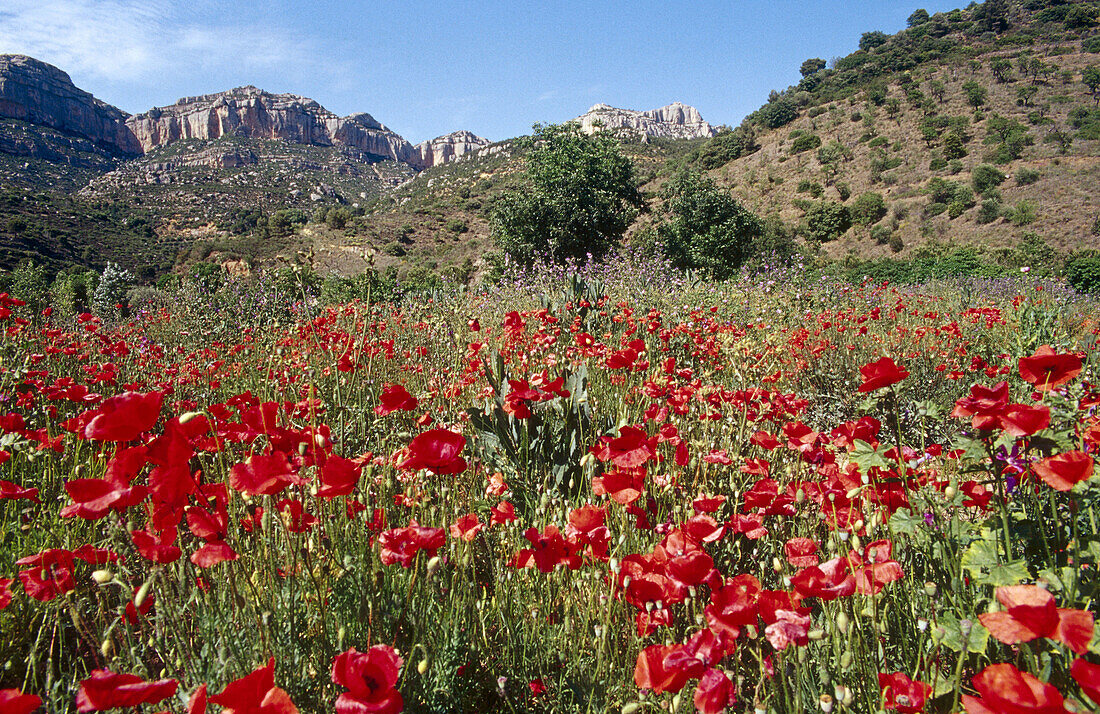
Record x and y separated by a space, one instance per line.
604 489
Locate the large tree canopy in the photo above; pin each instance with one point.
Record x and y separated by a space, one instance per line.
578 198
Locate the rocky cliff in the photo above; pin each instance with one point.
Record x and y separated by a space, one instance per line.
39 93
675 121
254 113
449 147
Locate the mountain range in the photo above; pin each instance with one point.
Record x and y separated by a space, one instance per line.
906 124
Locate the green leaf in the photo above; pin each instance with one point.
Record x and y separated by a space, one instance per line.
984 564
953 638
866 456
903 521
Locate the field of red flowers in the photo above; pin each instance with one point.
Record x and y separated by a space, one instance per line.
578 498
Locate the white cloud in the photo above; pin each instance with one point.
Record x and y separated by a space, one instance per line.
142 41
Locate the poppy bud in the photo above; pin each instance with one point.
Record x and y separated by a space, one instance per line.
843 694
340 637
188 416
930 589
949 492
422 667
816 634
107 647
102 577
676 702
143 593
826 703
433 565
631 708
842 622
846 661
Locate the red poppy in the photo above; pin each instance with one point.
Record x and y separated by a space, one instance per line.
255 693
650 671
105 689
1031 614
548 549
873 568
467 527
438 450
713 693
1003 689
902 694
157 547
13 701
9 490
263 474
789 628
212 553
630 449
50 574
733 605
338 477
1047 369
1063 471
801 552
1023 420
400 545
828 581
1087 676
124 417
5 592
881 373
395 398
370 678
504 512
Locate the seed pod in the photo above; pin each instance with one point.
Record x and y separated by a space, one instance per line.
143 593
846 661
422 666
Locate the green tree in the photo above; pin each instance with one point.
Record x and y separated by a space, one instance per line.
975 93
985 177
919 17
868 209
578 198
708 229
953 145
111 291
827 221
1091 79
873 39
1001 67
812 66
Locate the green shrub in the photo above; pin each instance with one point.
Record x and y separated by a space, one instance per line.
1083 271
868 209
1026 176
956 209
827 221
985 177
805 142
881 234
843 190
989 211
934 209
1023 213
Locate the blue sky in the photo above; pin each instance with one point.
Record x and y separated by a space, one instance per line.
428 68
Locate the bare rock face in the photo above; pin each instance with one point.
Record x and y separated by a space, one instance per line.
39 93
675 121
450 147
252 112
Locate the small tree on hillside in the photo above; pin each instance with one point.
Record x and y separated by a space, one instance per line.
579 197
1091 78
708 230
975 93
111 291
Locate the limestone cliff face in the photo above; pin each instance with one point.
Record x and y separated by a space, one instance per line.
252 112
450 147
39 93
675 121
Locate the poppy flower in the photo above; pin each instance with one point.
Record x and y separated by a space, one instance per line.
12 491
438 450
789 628
338 477
467 527
650 671
504 512
400 545
713 693
1063 471
13 701
881 373
1031 614
1003 689
157 547
255 693
105 689
828 581
263 474
1087 676
1046 369
1023 420
873 568
801 552
629 450
370 678
124 417
733 605
395 398
50 574
212 553
5 592
902 694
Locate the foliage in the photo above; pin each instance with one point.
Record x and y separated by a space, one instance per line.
579 197
1083 271
110 294
868 209
708 230
985 177
826 221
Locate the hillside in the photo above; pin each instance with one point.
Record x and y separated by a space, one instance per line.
910 117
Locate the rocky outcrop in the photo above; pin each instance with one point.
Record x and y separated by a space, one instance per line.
39 93
450 147
675 121
252 112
